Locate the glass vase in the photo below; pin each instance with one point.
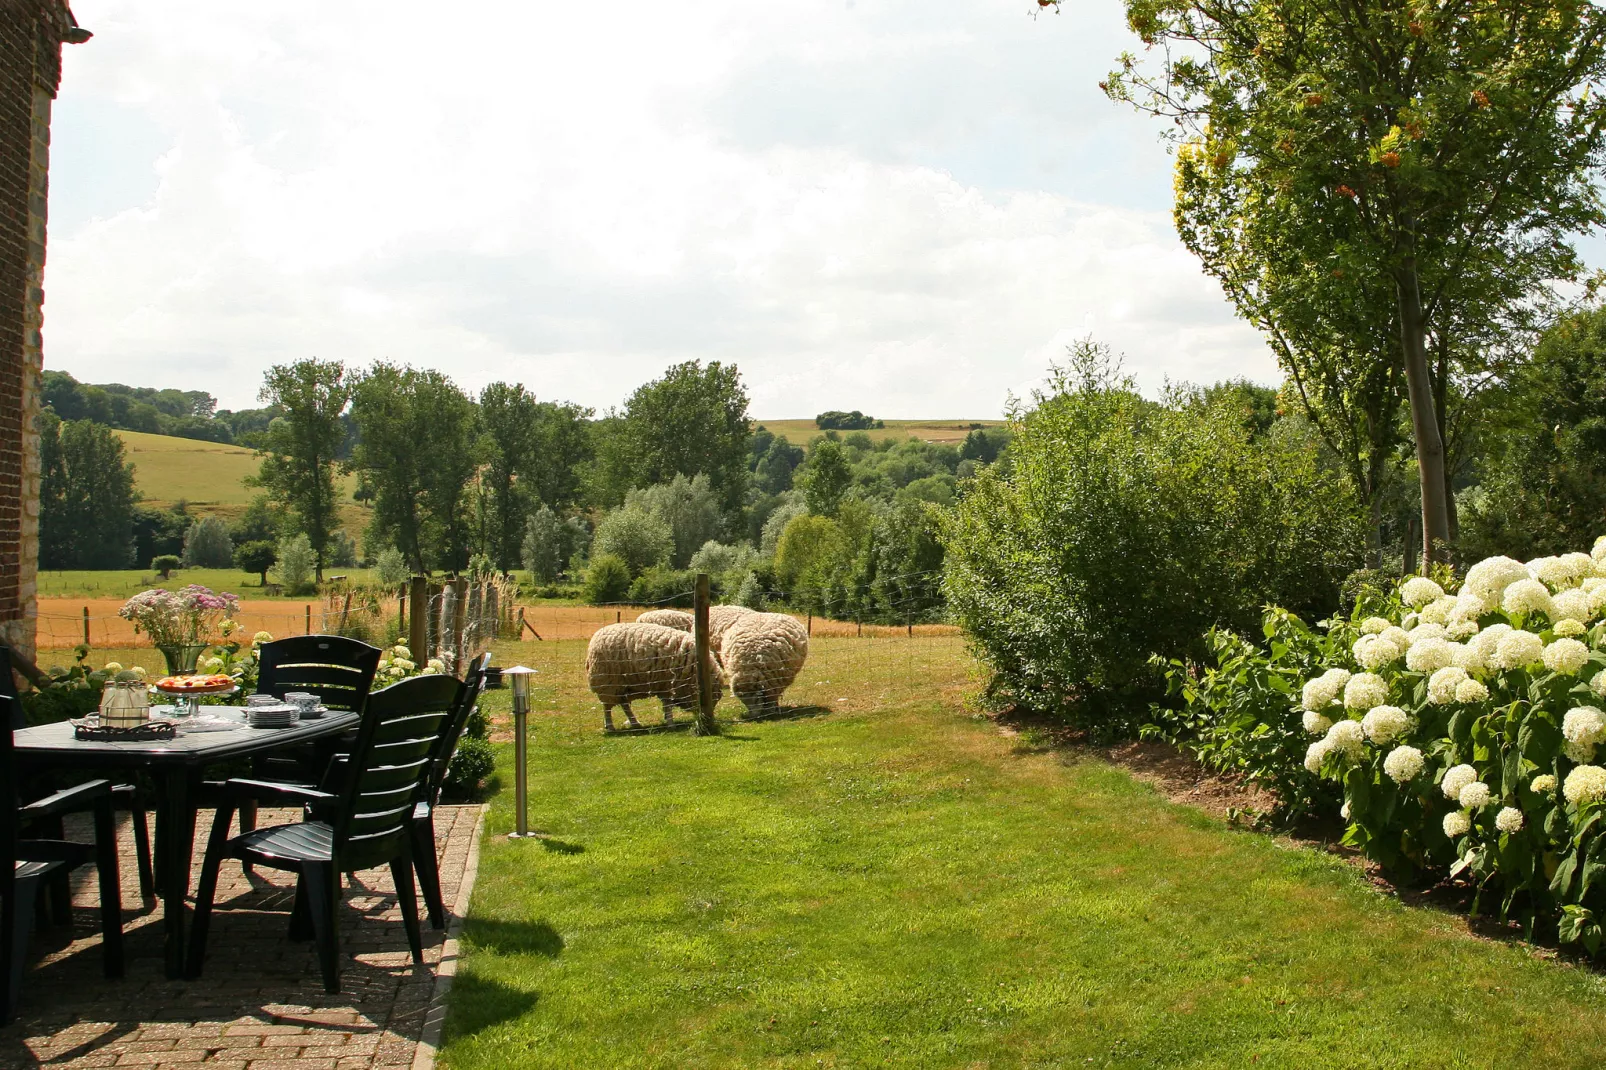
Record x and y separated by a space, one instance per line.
181 659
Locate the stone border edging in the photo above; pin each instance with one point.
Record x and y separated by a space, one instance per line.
429 1040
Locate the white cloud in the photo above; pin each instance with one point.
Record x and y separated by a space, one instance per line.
902 207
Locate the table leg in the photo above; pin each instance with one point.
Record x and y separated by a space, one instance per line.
175 843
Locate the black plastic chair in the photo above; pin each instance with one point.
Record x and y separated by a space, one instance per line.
423 830
365 825
25 864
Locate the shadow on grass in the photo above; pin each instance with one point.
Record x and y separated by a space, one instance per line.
789 713
513 938
561 847
479 1003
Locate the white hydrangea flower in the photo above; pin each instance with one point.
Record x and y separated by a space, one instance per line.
1598 684
1365 690
1489 578
1518 649
1425 631
1508 820
1442 684
213 664
110 666
1470 605
1461 629
1556 571
1419 591
1543 784
1567 628
1526 596
1384 724
1587 783
1566 655
1439 611
1591 584
1456 824
1343 811
1410 620
1475 796
1374 651
1471 692
1573 603
1579 752
138 671
1430 655
1455 778
1599 553
1584 724
1482 646
1347 737
1316 723
1323 690
1374 625
1577 565
1403 764
1396 635
1315 753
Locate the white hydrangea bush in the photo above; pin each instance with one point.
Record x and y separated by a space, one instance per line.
1466 724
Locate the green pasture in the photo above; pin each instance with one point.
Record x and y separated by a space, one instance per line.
125 583
885 879
951 432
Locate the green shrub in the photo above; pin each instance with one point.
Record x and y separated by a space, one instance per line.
296 562
474 760
1238 711
636 536
663 587
207 544
166 564
607 580
1125 529
258 557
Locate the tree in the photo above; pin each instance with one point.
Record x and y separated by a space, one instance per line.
607 580
262 521
692 420
299 449
549 543
418 448
392 567
635 535
774 465
562 446
296 561
510 418
1384 170
166 564
256 557
688 506
207 544
826 477
86 496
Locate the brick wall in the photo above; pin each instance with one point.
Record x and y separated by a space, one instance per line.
30 70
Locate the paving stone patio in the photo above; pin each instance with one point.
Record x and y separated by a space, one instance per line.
261 1004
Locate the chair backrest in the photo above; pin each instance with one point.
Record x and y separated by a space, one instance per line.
389 766
10 702
473 686
340 671
11 705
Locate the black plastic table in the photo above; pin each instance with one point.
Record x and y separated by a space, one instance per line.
175 765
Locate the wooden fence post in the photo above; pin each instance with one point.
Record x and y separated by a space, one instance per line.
459 622
309 618
86 632
418 622
345 613
401 612
706 725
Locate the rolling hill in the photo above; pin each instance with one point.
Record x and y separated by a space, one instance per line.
952 432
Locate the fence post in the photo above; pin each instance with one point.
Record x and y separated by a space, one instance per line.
309 618
418 620
401 612
705 667
459 620
345 613
86 635
811 622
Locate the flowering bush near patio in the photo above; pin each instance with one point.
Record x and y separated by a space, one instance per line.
1466 731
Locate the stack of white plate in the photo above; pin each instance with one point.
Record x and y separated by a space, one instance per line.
279 715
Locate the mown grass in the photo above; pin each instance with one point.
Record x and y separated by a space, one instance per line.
952 432
127 582
894 883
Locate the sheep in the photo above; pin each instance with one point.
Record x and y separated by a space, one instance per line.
677 619
625 662
761 655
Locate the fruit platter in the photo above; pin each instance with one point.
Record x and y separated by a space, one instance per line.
192 686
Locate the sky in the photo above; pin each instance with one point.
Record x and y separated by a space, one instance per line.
908 207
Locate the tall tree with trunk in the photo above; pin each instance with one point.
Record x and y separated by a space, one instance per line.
86 496
301 448
509 416
1441 142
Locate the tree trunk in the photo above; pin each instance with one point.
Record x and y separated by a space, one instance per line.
1424 416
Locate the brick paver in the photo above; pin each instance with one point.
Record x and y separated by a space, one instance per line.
261 1003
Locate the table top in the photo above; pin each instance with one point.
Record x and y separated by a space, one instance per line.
54 743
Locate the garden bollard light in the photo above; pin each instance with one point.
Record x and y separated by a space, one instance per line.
519 677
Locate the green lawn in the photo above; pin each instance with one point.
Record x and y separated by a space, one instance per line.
895 883
125 583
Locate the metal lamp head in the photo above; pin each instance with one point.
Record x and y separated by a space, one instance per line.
519 676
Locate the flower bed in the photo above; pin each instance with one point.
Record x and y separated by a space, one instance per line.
1465 729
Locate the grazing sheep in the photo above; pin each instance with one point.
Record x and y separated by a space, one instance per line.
677 619
762 653
625 662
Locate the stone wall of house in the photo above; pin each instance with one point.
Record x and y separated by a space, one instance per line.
30 71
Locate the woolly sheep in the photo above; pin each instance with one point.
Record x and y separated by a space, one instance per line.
626 662
677 619
762 654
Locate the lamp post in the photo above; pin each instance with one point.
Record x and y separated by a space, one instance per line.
519 676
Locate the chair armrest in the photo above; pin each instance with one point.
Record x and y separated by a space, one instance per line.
255 790
71 800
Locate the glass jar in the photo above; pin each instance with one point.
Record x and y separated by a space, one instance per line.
124 704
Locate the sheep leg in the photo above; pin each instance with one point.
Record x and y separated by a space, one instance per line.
669 712
630 716
607 718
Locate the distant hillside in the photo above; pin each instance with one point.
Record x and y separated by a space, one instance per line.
210 476
952 432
